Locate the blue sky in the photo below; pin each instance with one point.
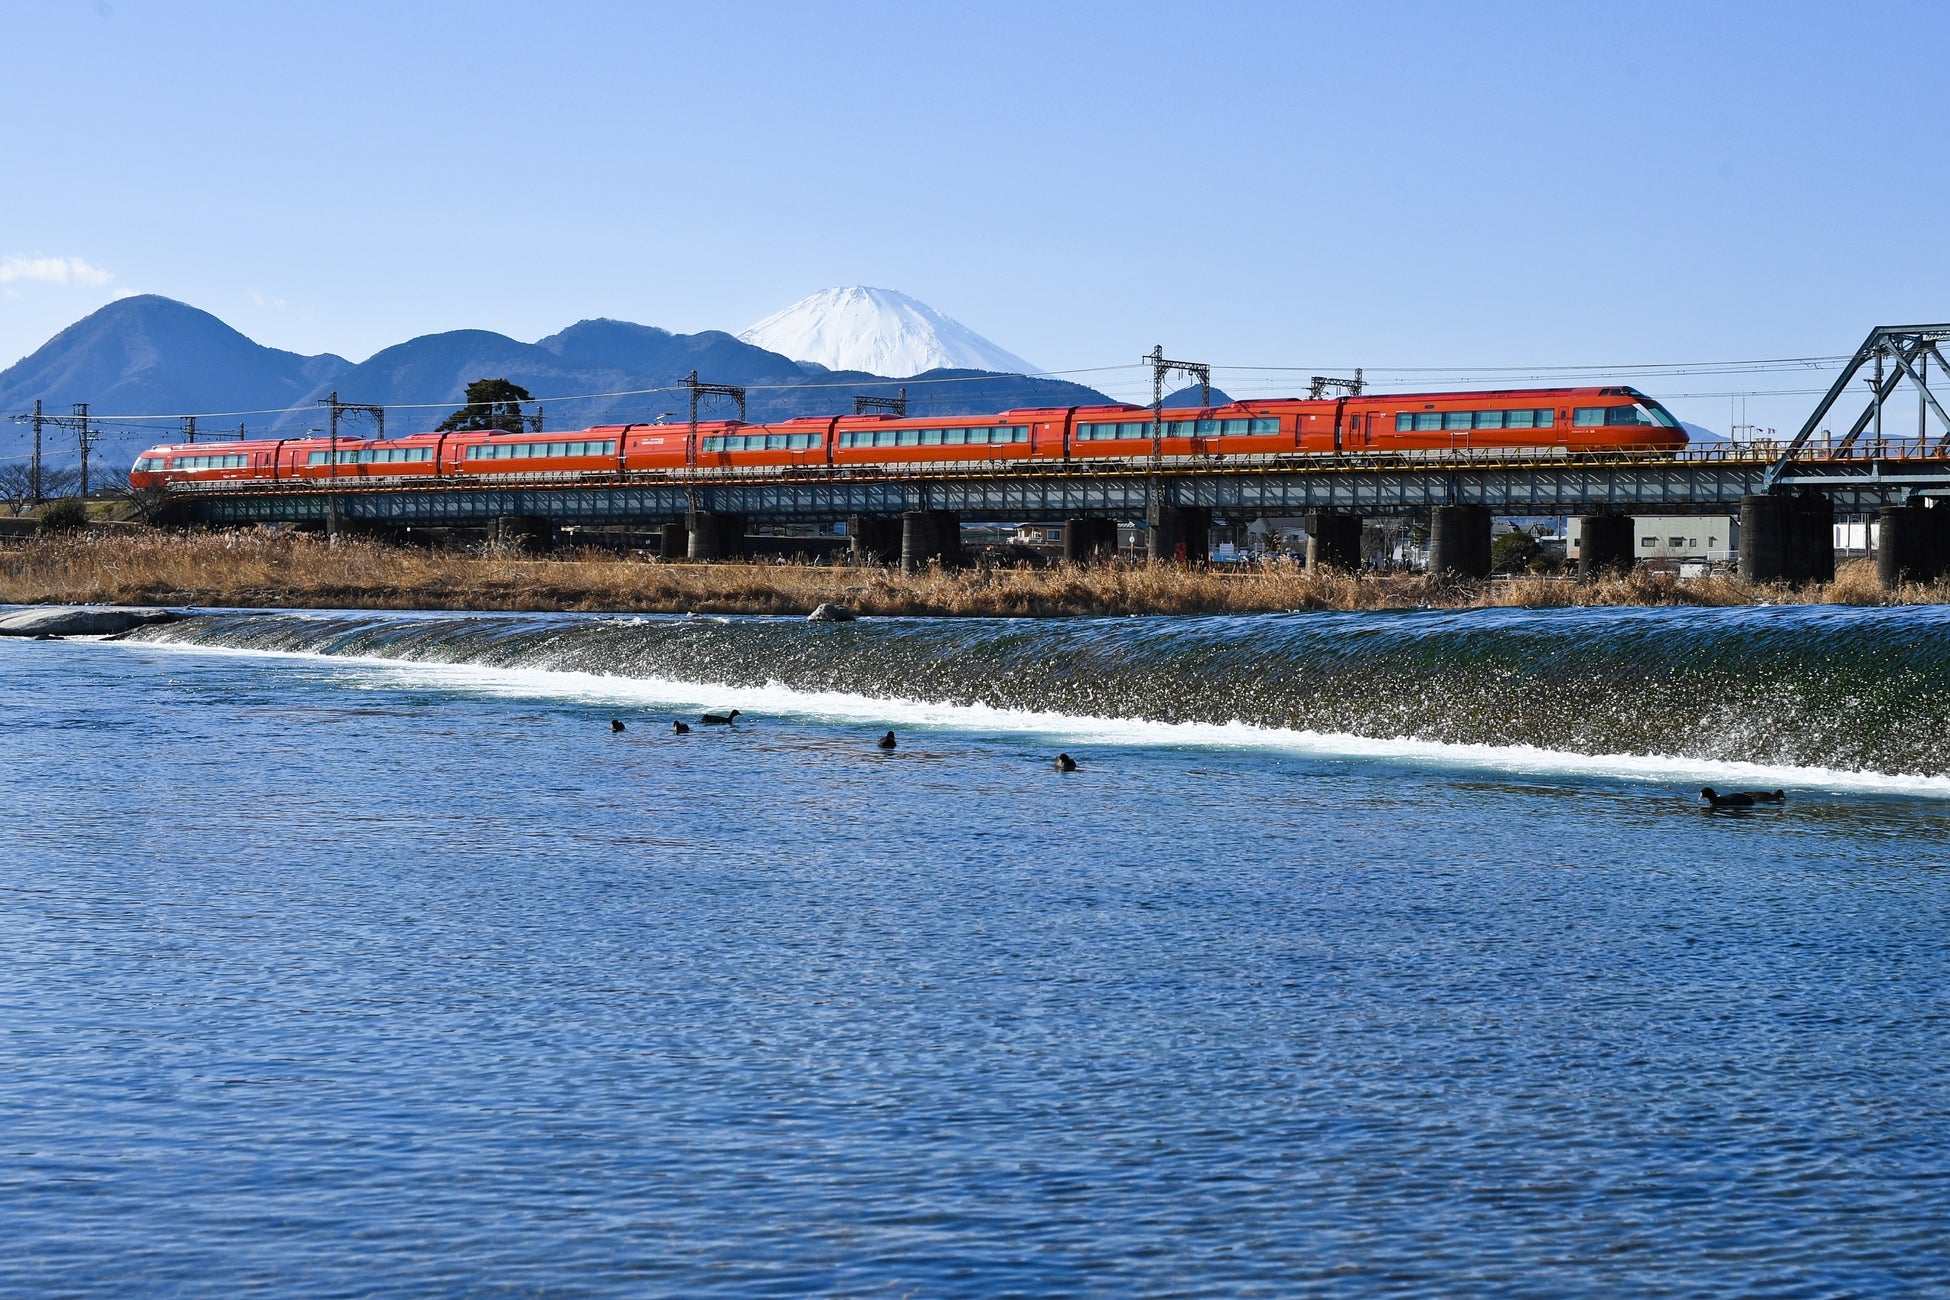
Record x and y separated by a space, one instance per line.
1316 186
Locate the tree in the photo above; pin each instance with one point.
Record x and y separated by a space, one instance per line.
491 404
1513 552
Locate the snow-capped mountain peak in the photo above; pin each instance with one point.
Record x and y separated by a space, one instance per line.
879 331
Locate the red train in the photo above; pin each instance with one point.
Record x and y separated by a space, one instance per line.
1538 421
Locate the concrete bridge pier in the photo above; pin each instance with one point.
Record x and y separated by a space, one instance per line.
1181 533
1811 538
1459 540
1089 538
1333 542
1787 539
873 539
1913 544
522 534
715 536
673 542
1605 545
930 536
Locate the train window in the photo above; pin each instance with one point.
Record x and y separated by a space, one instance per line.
930 437
775 442
1428 420
1489 419
1629 415
1266 424
1519 419
1546 418
954 437
1459 419
1018 433
907 438
1404 421
1588 415
1136 428
1232 426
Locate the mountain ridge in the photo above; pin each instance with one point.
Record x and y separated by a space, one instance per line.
156 358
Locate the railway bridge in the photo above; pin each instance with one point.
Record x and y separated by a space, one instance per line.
1786 494
1786 499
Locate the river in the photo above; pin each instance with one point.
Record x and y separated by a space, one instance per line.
355 954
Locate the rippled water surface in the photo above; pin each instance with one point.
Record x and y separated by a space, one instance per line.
356 955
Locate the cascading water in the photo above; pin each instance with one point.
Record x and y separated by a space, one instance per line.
1823 687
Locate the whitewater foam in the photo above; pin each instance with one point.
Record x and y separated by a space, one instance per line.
777 700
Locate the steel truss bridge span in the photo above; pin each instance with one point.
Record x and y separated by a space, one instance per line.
1857 478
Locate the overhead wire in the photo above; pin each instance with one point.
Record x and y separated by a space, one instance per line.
1457 376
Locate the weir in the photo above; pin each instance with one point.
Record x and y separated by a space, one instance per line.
1724 685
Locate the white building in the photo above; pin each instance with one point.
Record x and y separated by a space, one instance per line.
1710 539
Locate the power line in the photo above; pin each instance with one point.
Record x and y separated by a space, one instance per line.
1456 376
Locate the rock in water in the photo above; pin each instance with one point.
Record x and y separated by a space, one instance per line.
831 613
82 620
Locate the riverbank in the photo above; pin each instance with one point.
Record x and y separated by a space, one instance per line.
265 569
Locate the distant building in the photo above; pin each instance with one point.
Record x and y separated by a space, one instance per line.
1697 539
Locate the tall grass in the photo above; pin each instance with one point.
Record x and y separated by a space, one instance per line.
260 567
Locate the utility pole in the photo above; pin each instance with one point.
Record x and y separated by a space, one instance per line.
86 437
1154 504
338 408
735 392
189 428
34 470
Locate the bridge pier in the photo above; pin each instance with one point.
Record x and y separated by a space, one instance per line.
1333 542
1089 538
1605 545
873 539
1811 538
1787 539
715 536
522 534
1181 533
1459 540
1913 546
930 536
673 542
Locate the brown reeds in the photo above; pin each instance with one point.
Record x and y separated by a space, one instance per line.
273 569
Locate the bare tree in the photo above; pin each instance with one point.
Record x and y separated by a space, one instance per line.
17 483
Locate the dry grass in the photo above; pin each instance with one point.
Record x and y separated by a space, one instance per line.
285 569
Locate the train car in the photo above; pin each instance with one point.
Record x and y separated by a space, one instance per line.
794 444
1010 436
356 459
494 454
203 462
1567 419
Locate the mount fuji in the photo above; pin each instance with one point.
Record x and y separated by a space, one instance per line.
881 332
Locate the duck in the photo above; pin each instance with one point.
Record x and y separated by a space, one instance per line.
1064 763
719 719
680 728
887 741
1742 798
616 724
